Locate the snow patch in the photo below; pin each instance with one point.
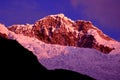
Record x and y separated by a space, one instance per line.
100 40
83 60
3 29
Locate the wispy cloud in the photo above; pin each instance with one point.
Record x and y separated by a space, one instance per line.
75 3
107 12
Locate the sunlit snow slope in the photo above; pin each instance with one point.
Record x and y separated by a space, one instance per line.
84 60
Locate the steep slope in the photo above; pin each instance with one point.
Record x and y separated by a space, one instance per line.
58 29
3 31
83 60
22 29
19 63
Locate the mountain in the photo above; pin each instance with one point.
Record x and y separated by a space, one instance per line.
84 60
22 64
58 29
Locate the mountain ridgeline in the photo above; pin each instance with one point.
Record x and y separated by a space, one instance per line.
56 47
19 63
58 29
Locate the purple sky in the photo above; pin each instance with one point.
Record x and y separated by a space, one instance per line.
105 14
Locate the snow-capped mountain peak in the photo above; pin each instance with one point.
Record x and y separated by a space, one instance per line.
81 50
55 22
59 29
60 15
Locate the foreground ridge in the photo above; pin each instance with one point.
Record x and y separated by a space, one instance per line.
23 64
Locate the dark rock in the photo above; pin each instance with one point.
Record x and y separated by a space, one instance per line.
20 64
3 35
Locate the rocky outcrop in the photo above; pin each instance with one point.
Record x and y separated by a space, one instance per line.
22 29
58 29
3 35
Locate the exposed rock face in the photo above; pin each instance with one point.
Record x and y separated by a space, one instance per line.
3 35
22 29
58 29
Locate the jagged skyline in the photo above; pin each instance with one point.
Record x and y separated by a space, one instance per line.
87 61
103 14
59 29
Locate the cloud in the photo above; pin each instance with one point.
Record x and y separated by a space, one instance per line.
74 3
106 12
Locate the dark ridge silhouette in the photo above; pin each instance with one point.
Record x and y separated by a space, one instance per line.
20 64
62 74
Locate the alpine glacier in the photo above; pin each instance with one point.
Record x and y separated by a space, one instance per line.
87 61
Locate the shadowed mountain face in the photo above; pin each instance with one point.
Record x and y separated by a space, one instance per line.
58 29
19 63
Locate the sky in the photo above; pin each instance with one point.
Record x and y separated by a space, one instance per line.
104 14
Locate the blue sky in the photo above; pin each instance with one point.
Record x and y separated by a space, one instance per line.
105 14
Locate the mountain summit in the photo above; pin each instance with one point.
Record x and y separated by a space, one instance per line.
61 43
58 29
